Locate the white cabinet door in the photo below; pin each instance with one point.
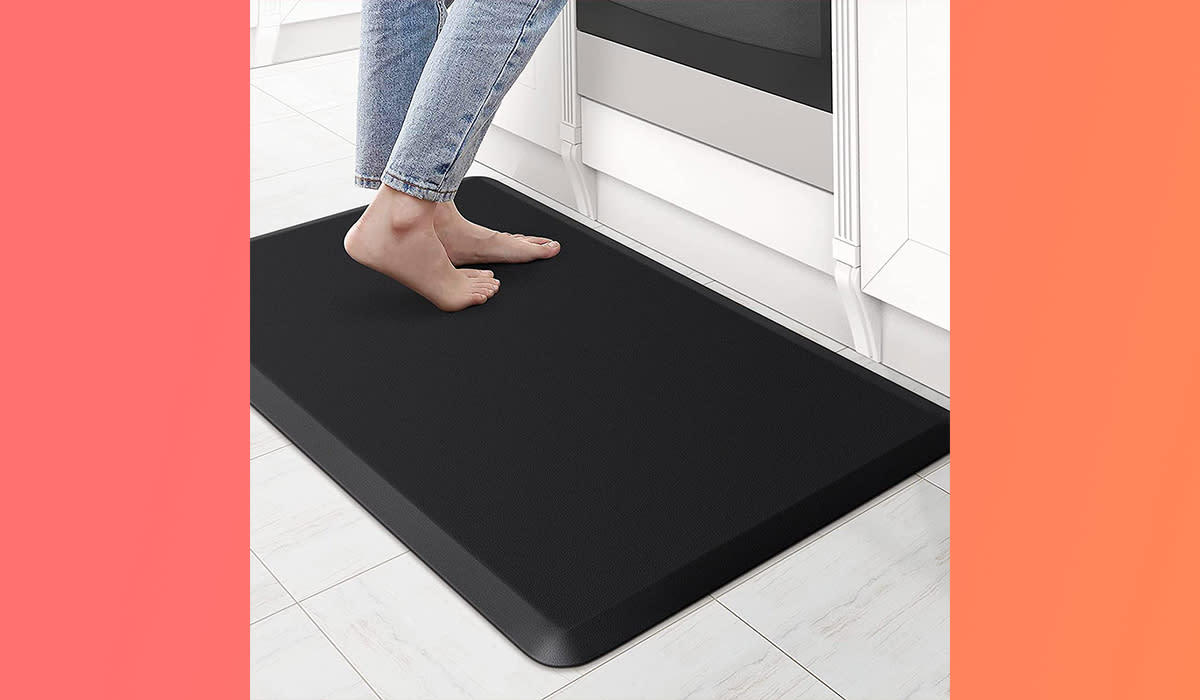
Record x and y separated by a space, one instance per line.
904 157
533 107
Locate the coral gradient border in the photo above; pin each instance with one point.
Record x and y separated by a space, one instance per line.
1075 370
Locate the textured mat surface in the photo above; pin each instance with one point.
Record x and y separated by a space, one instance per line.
595 448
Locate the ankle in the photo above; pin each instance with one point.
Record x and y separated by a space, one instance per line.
447 210
404 211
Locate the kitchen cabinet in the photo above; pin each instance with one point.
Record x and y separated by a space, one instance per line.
892 209
877 245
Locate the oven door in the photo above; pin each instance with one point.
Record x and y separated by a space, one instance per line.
751 77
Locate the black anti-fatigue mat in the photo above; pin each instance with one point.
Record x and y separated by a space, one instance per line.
595 448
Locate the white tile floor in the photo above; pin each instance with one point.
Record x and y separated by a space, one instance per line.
339 609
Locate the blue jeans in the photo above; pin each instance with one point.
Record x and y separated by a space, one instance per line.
430 81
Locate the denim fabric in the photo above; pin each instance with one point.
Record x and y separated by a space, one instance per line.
430 81
396 40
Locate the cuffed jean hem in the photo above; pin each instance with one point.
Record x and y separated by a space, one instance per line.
371 183
406 186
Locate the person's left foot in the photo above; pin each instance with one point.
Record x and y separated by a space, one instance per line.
468 244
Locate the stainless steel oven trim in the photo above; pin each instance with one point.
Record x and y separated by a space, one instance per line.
788 137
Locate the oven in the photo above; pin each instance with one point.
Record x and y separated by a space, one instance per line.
750 77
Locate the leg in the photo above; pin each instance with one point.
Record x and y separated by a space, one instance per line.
397 38
395 235
483 47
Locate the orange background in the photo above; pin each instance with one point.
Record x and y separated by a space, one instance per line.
1075 287
124 292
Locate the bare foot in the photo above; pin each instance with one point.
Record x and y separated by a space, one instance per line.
467 243
395 236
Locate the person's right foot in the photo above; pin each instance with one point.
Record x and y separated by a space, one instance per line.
396 237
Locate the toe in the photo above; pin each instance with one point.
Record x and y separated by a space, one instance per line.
478 273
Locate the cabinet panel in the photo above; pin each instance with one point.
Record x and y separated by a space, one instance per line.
916 280
533 107
883 131
929 123
904 136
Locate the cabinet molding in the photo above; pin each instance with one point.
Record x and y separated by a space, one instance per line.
862 313
570 132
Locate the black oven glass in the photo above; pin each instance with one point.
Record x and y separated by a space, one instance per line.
780 46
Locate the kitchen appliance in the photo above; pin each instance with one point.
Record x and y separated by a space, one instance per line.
750 77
